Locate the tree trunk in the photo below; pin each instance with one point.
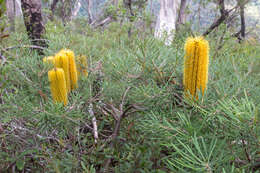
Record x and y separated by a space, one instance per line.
53 8
33 22
10 11
13 9
90 15
76 9
242 18
181 15
166 21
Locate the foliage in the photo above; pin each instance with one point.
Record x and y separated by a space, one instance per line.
169 133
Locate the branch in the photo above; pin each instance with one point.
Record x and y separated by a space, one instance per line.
221 19
25 46
107 20
120 113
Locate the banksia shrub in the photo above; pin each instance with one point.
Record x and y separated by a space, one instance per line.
62 61
72 68
196 59
58 85
82 65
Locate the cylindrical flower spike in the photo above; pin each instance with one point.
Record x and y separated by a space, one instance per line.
62 61
196 59
49 60
58 85
82 65
72 69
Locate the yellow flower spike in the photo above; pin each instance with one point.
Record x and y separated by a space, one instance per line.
72 68
196 62
82 65
62 61
58 85
48 60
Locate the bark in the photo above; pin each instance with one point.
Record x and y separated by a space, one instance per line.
224 14
166 21
90 15
34 22
181 14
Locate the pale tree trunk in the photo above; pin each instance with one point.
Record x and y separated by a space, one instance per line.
13 9
166 21
33 21
90 15
76 9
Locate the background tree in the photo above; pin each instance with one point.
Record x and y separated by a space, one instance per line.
90 15
181 14
34 23
166 20
13 10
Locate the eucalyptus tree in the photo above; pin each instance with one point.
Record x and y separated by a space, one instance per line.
166 20
33 21
13 9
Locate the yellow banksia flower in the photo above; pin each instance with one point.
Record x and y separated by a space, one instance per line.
48 60
58 85
62 61
196 62
82 65
72 68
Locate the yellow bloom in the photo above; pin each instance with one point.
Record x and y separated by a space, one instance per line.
58 85
196 65
72 68
49 60
62 61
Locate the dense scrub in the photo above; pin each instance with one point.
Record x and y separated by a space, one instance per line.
162 132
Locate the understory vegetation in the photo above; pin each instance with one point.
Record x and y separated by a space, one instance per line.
144 123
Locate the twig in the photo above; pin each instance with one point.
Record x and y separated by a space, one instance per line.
94 122
24 46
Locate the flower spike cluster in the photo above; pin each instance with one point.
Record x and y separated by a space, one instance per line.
63 77
196 62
